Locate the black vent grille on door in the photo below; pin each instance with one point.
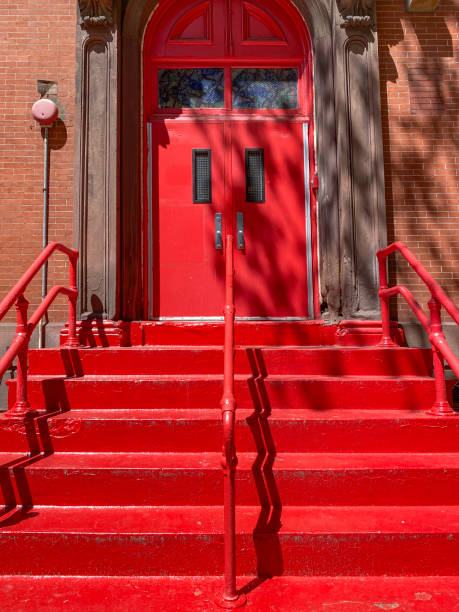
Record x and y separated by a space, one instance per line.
255 175
202 176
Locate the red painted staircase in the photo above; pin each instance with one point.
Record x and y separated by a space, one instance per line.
115 485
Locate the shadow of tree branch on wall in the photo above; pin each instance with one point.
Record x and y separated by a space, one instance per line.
420 99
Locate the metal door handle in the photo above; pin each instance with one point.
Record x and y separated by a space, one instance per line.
240 231
218 231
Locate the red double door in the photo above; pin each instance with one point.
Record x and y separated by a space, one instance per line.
244 176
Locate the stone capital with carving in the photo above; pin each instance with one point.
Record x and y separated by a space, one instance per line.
96 12
356 13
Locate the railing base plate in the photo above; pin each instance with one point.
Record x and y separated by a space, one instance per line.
231 604
442 409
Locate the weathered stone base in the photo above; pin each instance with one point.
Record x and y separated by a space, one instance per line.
416 336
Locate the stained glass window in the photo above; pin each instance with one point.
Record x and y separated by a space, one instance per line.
265 88
191 88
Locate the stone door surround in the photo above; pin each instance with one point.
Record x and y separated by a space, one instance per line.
109 165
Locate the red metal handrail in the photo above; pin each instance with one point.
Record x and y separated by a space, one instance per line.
230 598
433 327
24 328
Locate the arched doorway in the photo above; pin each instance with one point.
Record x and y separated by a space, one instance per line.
110 141
348 150
228 147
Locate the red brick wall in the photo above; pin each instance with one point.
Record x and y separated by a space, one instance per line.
419 92
37 41
418 60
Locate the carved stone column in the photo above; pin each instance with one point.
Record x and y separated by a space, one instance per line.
360 155
96 157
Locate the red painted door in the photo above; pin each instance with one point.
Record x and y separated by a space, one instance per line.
271 271
227 98
188 269
270 265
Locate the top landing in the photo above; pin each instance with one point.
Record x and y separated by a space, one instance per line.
357 332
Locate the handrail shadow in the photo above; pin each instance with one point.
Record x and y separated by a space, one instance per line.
14 486
266 531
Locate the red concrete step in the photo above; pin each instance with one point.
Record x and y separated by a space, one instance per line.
252 333
175 479
295 541
331 361
198 593
196 430
313 392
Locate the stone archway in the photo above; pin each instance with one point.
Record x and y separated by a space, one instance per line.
108 186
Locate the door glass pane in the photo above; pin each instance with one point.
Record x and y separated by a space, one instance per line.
202 175
254 175
265 87
191 88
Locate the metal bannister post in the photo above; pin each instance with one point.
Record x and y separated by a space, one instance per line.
441 406
386 339
440 349
72 339
230 598
21 406
25 327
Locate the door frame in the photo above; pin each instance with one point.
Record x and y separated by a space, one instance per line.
309 213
